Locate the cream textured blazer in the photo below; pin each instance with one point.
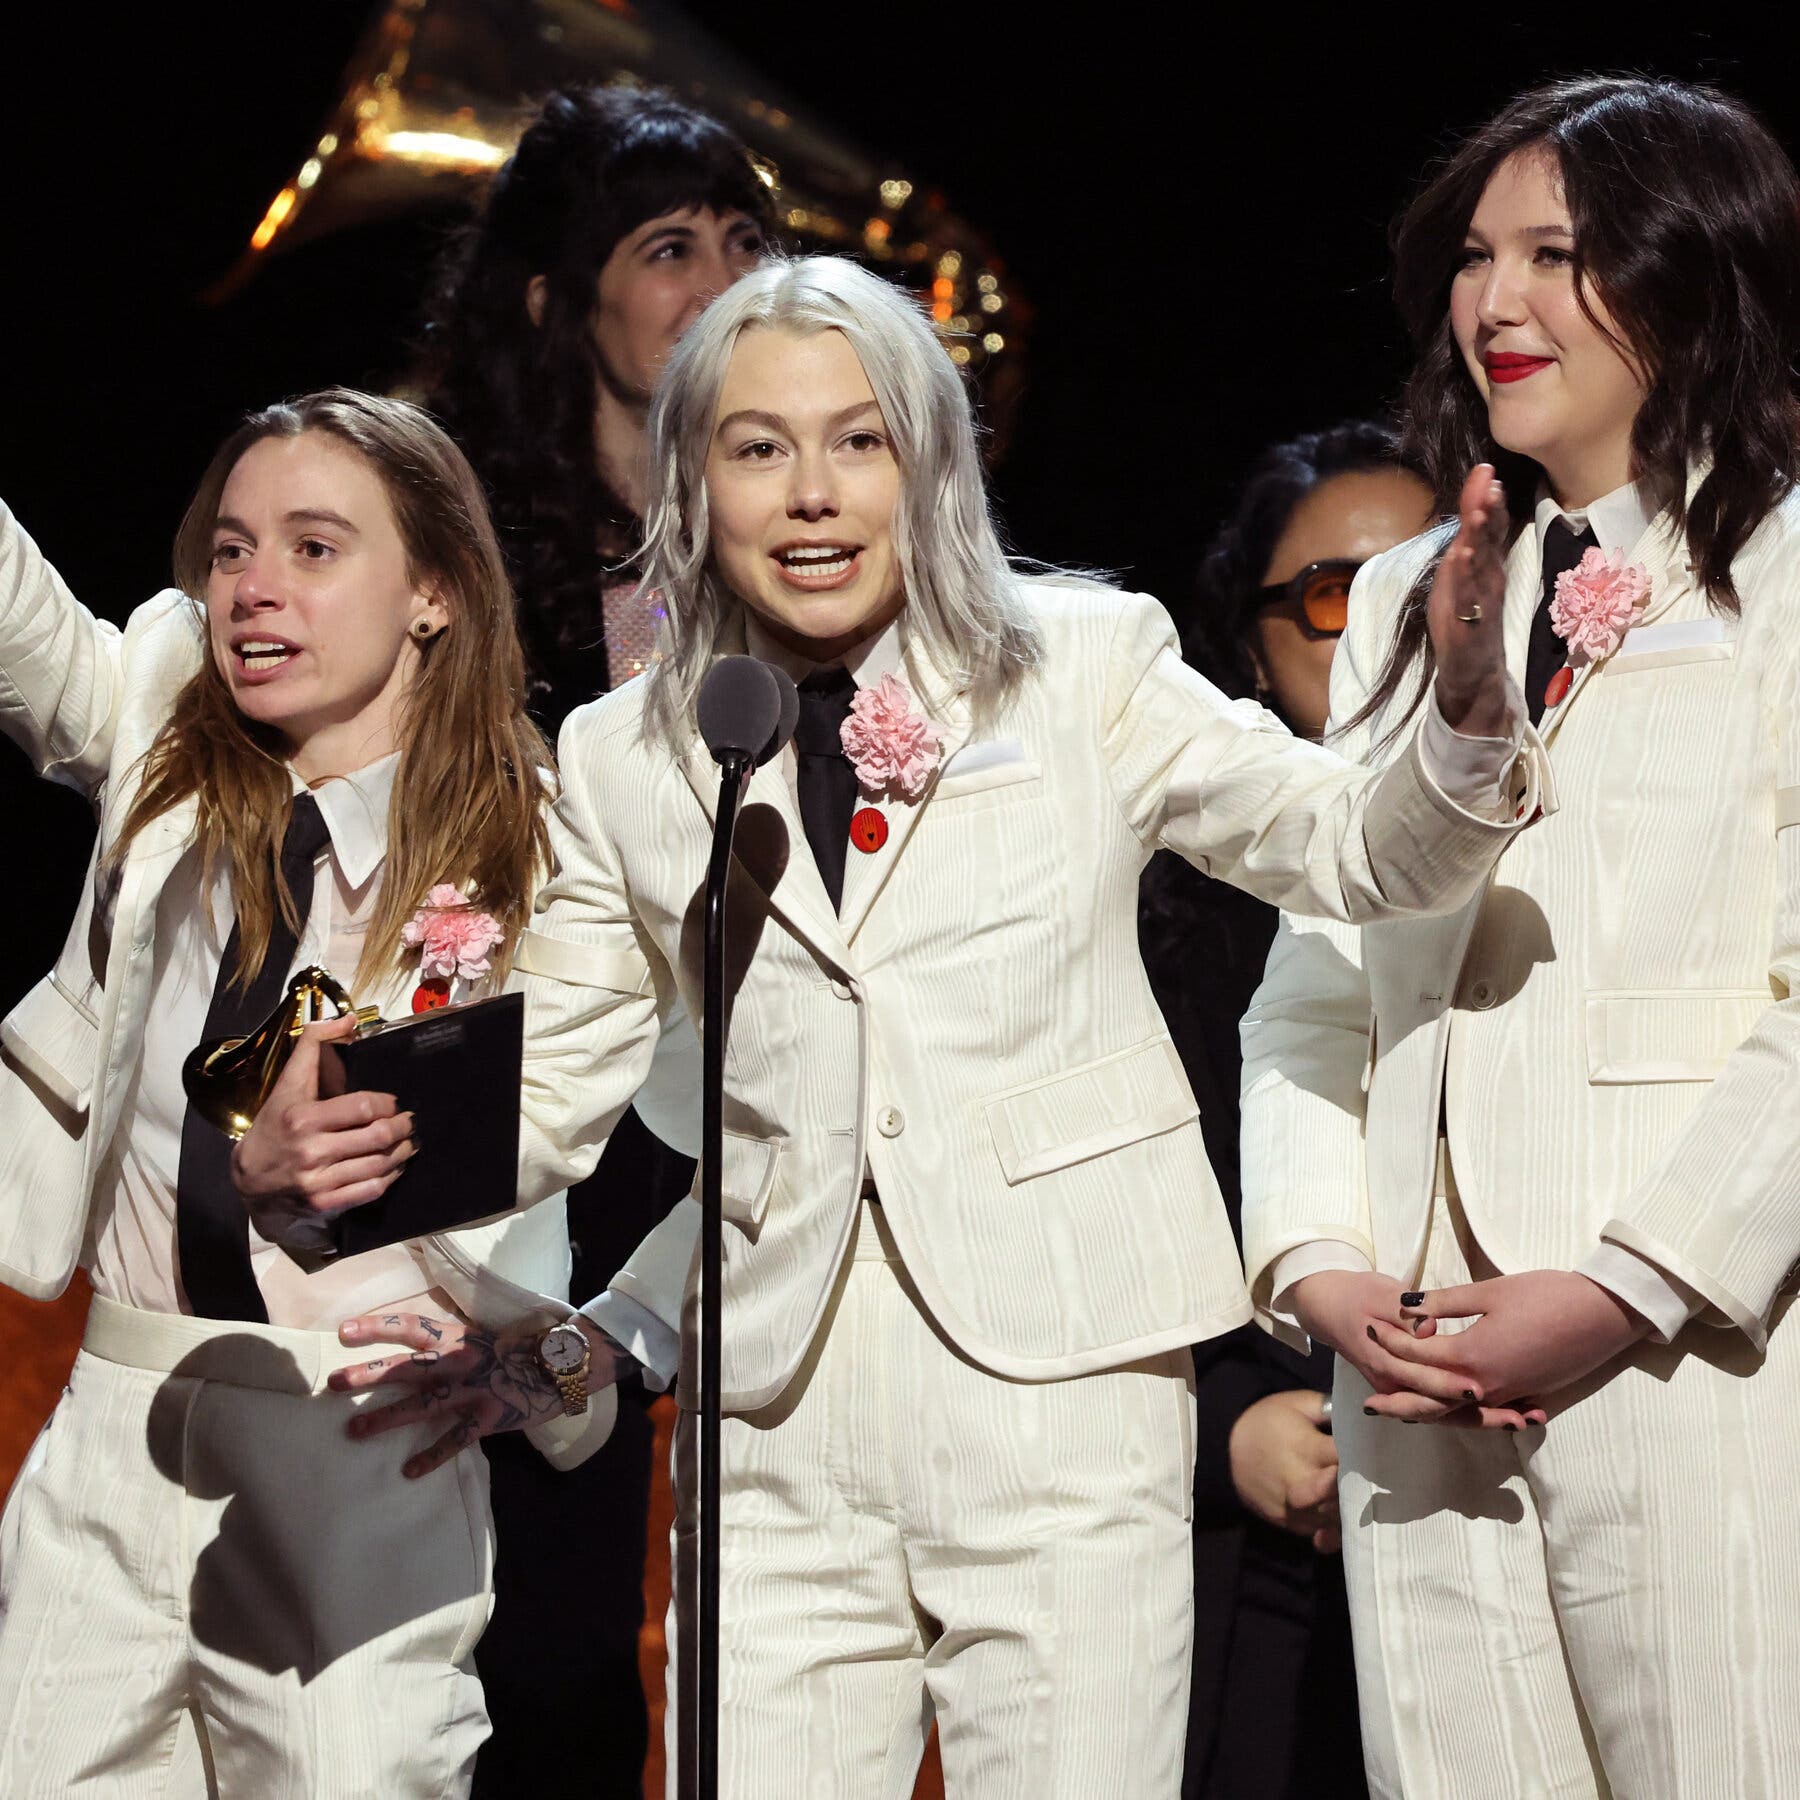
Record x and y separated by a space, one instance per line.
976 1024
1610 1021
85 701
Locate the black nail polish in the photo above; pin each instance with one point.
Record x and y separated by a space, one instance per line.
1468 1393
1370 1413
1373 1339
1417 1299
1510 1426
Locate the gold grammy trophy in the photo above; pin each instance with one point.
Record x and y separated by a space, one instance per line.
228 1079
438 91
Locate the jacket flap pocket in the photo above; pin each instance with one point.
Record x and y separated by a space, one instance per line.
55 1043
746 1178
1668 1035
1119 1100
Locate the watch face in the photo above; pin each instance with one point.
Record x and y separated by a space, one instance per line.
563 1349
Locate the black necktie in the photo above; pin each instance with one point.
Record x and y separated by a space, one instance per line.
212 1228
827 781
1547 652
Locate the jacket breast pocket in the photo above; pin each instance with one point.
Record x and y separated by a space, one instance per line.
1685 641
993 778
54 1042
746 1179
1645 1035
1100 1107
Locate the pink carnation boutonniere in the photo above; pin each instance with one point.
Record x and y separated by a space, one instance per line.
892 746
1596 603
452 940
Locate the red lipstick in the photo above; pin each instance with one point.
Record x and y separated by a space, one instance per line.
1507 365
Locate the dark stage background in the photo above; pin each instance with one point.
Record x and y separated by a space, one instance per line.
1195 200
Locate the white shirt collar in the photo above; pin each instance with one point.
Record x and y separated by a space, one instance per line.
867 662
355 807
1618 519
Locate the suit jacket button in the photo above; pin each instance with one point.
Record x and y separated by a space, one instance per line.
1483 994
890 1121
841 989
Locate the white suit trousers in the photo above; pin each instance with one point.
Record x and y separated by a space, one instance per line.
904 1534
1606 1606
205 1587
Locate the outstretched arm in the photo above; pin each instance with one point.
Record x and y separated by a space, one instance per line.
1226 786
60 667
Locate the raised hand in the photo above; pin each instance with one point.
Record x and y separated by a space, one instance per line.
1464 614
307 1158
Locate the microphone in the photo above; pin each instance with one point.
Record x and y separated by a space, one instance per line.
747 710
790 713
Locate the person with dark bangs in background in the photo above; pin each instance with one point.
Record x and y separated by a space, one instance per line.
1272 1707
621 214
1534 1169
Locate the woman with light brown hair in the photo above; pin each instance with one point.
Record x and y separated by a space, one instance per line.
320 728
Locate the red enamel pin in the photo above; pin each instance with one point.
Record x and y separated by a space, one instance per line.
1557 686
868 830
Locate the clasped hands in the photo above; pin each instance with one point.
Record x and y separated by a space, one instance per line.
1533 1334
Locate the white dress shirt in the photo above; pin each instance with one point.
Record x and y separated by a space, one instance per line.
1618 520
1470 770
134 1259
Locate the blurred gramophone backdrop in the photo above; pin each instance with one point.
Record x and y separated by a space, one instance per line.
1157 234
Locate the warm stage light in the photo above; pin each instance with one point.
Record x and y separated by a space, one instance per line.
279 208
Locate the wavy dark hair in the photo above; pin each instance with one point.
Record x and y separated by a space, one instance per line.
596 163
1217 633
1686 214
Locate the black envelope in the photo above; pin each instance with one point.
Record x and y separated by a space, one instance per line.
456 1070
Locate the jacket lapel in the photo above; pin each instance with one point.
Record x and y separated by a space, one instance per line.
131 927
935 695
1523 569
779 861
1662 550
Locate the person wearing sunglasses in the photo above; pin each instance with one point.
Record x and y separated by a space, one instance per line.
1311 512
1272 1707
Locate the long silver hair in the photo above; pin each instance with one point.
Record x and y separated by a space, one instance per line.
964 604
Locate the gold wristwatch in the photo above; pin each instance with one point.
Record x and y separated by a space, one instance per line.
564 1354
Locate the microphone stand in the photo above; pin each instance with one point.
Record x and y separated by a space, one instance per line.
735 767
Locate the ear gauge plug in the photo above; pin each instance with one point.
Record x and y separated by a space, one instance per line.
422 629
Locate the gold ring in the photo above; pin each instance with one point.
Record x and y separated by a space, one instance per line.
1471 618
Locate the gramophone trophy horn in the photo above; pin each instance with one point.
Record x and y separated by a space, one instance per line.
228 1079
438 92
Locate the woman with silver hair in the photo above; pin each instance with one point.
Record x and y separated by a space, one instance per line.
971 1229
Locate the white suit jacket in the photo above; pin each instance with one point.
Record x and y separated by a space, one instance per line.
1610 1022
85 701
976 1023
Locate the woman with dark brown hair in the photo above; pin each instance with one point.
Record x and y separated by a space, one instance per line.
1546 1147
316 732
